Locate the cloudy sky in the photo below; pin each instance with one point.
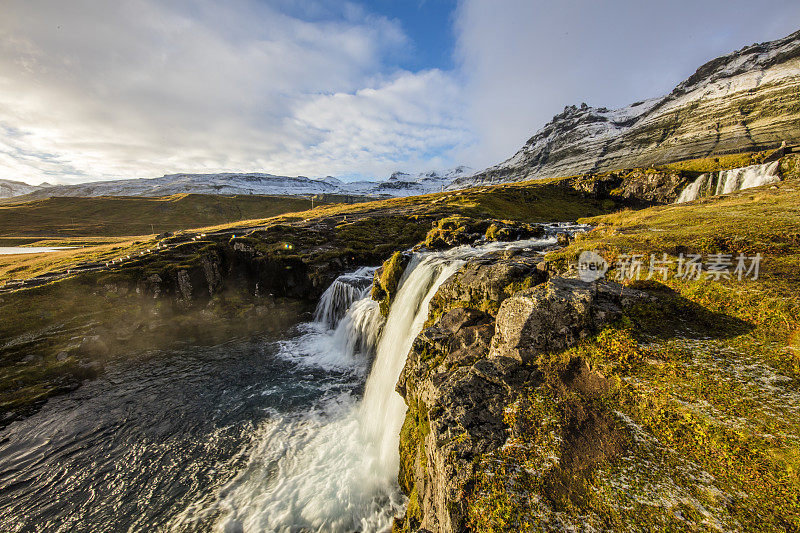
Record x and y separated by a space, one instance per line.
92 89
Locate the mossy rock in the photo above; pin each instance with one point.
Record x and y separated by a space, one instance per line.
509 230
387 280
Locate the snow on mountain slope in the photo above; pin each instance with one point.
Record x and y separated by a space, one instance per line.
9 188
746 100
399 184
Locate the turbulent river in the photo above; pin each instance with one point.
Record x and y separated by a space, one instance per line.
299 434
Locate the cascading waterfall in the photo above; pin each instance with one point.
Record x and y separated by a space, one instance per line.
383 410
738 179
728 181
341 294
334 468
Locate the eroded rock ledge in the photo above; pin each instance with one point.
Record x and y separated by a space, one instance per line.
488 326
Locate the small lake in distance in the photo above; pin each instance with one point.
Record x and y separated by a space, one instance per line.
12 250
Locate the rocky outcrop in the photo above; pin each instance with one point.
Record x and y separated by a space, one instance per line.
469 365
485 282
635 188
387 280
553 316
457 230
745 101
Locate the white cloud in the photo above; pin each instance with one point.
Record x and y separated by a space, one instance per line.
94 89
91 89
414 119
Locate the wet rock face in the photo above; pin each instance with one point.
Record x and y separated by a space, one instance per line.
637 187
653 187
469 366
456 398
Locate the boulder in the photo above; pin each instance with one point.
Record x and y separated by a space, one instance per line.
556 315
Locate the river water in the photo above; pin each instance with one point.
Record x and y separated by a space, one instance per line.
298 434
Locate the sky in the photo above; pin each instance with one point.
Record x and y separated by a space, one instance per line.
96 90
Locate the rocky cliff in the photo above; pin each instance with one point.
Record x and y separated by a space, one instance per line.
537 401
488 325
747 100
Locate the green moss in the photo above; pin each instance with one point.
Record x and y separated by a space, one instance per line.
525 283
451 230
491 232
413 458
685 412
385 287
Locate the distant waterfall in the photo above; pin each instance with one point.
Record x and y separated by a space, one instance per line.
728 181
697 189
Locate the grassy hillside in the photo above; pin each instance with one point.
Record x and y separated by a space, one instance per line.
702 386
117 216
532 201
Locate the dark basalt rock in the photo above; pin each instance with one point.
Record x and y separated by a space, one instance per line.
485 282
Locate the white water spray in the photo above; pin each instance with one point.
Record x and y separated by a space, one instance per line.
728 181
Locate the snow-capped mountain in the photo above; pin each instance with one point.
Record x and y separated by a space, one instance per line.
746 100
398 184
9 188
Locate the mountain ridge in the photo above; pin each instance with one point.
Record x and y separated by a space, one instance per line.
398 184
743 101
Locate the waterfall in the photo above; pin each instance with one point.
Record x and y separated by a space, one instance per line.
383 410
695 190
357 333
341 294
334 467
764 176
728 181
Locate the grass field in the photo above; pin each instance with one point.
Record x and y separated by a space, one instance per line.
120 216
531 201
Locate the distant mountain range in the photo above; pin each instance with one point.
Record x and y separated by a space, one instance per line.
9 188
398 184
